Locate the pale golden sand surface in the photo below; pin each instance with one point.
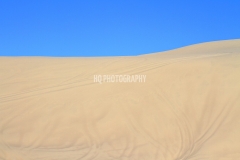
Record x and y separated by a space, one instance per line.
188 108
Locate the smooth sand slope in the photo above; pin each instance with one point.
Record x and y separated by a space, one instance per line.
188 108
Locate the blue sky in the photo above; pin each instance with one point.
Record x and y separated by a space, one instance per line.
112 28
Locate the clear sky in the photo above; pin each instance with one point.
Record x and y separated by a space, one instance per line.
112 27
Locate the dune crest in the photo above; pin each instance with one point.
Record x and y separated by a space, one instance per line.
188 108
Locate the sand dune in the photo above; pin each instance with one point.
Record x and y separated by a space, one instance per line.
188 108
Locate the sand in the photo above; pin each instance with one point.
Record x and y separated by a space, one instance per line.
187 109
